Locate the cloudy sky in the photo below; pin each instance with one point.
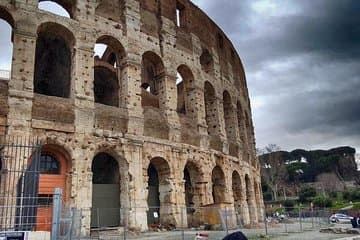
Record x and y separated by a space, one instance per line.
302 61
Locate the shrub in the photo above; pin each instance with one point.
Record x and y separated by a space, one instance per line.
322 201
289 205
306 193
355 195
346 195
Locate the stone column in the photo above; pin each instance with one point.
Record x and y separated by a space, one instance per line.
132 95
81 182
252 203
83 84
260 203
137 187
22 76
221 124
243 205
131 84
168 104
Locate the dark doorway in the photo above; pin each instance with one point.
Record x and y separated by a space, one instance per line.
153 200
106 192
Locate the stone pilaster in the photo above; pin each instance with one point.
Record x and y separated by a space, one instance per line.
21 82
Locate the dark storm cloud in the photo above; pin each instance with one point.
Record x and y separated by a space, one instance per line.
302 60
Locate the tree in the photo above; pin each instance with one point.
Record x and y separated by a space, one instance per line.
274 169
306 194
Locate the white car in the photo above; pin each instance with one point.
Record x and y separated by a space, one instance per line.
340 218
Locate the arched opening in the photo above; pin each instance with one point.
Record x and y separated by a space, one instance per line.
184 81
229 117
207 61
159 190
53 174
237 189
105 191
237 194
152 78
109 57
218 185
6 43
64 8
181 92
248 129
211 110
241 125
248 190
53 60
192 178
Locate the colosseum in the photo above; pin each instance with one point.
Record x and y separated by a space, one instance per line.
157 121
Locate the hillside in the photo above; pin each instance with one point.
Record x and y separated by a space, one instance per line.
286 170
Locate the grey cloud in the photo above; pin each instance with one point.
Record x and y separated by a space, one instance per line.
302 69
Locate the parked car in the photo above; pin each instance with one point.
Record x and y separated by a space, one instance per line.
340 218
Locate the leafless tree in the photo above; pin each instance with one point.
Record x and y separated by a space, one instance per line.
274 170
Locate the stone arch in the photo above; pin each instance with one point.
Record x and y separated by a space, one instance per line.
152 78
109 189
184 91
257 193
6 37
247 188
53 60
193 192
229 117
240 122
68 6
211 110
218 185
108 71
159 192
237 189
6 16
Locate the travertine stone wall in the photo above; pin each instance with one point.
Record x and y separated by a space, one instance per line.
133 134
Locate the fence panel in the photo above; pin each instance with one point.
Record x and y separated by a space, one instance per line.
20 206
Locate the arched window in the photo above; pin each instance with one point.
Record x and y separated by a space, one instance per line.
58 7
49 164
53 60
109 54
185 92
152 77
6 25
229 116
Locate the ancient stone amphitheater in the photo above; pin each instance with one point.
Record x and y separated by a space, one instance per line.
156 120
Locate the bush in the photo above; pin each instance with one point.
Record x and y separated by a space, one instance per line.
355 195
289 205
306 194
322 201
351 195
346 195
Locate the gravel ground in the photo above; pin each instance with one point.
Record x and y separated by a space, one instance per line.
277 233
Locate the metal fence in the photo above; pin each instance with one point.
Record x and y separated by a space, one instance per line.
19 176
213 222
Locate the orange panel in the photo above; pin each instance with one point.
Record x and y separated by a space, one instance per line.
44 217
48 183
